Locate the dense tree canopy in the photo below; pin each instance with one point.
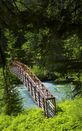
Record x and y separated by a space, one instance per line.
46 29
61 16
46 34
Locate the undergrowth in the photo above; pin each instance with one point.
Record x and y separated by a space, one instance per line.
68 118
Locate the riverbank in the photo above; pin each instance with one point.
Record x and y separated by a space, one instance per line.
68 117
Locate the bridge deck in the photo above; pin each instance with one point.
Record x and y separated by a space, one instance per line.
40 94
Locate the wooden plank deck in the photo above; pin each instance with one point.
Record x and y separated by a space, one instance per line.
38 91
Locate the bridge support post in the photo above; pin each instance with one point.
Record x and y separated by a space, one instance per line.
39 99
31 89
28 85
35 93
43 101
54 103
46 107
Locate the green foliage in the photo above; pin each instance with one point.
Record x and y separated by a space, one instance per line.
13 103
73 53
10 39
1 90
40 72
62 16
20 5
10 101
10 96
73 47
69 117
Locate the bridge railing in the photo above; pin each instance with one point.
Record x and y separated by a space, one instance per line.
40 94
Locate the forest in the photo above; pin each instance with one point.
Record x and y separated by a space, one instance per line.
46 35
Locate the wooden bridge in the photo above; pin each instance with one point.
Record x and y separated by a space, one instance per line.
36 88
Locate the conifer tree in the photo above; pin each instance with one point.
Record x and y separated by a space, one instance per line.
13 104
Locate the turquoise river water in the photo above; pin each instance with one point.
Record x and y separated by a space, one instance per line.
61 93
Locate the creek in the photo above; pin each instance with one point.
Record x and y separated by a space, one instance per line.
61 93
